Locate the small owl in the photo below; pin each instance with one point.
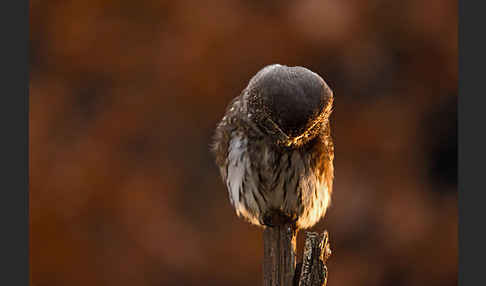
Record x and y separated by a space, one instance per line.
274 148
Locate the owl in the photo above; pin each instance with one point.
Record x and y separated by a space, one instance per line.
274 148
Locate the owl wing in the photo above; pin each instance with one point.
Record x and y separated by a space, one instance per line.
222 136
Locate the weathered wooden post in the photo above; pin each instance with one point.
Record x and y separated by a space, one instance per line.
279 263
279 246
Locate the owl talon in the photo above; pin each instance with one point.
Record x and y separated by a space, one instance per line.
276 218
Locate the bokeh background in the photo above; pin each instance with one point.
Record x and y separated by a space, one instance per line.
124 99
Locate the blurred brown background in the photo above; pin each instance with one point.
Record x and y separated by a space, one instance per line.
124 98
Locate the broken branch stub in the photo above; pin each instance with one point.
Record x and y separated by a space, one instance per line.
316 252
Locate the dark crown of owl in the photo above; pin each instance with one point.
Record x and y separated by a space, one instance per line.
291 103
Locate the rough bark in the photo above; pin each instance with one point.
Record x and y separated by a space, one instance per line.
313 271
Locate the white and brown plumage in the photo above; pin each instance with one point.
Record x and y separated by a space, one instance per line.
274 148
